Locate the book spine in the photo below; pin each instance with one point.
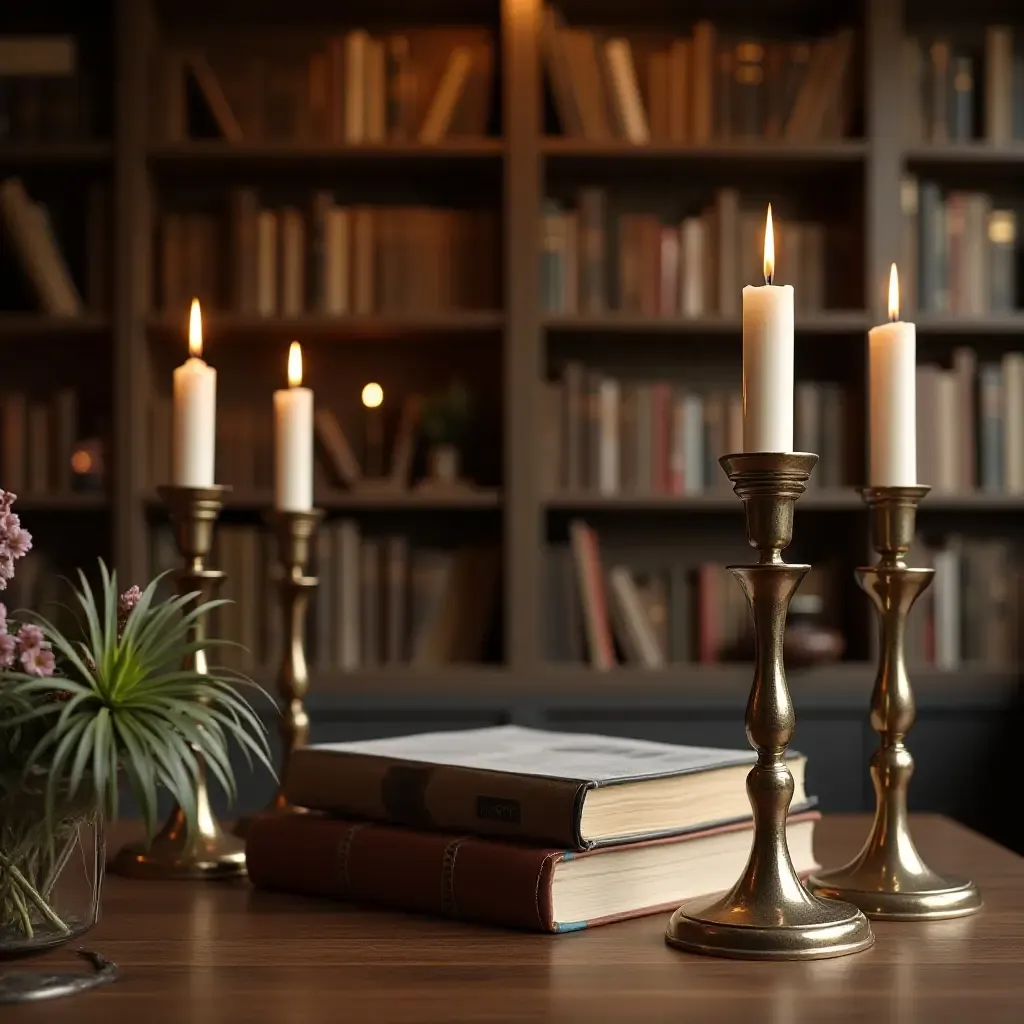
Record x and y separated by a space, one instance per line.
438 797
444 875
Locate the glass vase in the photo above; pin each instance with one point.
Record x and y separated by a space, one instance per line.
51 870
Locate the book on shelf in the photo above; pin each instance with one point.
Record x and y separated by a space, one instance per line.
497 883
970 613
970 423
319 257
608 437
637 609
690 265
958 91
45 96
960 251
381 600
37 441
713 85
354 88
574 790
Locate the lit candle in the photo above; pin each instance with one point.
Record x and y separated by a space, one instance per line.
892 380
768 359
195 412
373 401
293 440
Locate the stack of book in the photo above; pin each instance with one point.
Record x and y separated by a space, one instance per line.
517 827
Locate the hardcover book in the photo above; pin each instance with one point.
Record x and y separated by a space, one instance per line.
571 790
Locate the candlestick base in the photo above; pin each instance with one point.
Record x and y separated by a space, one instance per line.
888 879
768 914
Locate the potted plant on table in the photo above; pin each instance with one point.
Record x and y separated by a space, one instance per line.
445 424
79 716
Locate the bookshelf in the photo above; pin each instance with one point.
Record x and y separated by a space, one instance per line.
513 348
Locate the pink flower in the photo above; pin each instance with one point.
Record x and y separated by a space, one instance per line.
19 541
38 662
127 601
8 646
30 638
15 542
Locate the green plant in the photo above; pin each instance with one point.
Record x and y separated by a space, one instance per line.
446 415
118 706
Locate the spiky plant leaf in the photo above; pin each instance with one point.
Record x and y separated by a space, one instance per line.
126 705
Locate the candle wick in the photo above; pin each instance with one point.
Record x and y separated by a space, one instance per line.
893 318
768 278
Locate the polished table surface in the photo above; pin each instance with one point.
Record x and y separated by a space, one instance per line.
195 953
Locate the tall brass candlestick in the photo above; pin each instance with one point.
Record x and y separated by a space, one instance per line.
295 532
176 852
768 914
888 878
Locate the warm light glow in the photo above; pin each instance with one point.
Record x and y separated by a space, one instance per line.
769 248
295 365
894 294
195 331
373 395
81 461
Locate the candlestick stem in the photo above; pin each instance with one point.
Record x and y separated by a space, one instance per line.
177 852
888 878
768 914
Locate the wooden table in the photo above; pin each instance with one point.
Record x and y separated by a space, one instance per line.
214 953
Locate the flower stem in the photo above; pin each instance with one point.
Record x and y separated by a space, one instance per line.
27 890
26 920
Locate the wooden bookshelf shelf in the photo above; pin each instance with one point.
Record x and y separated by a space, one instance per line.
412 500
830 500
989 324
979 154
24 326
847 151
243 327
202 155
63 503
977 502
839 322
55 154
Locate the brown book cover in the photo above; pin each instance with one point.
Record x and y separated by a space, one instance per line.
566 789
455 876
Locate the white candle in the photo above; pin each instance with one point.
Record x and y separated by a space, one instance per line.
293 440
768 359
195 413
892 383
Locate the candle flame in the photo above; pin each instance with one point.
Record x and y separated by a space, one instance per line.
195 330
894 294
294 365
373 395
769 248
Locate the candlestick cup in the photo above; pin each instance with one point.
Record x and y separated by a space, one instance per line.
768 914
888 878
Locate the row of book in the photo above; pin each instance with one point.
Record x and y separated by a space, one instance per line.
970 424
712 85
45 96
957 91
602 614
425 85
37 443
594 260
518 827
46 281
972 611
611 436
329 259
380 600
959 251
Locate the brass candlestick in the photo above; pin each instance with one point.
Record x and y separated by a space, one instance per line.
768 914
888 878
209 852
295 532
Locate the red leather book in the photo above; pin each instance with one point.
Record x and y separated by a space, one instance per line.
501 883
